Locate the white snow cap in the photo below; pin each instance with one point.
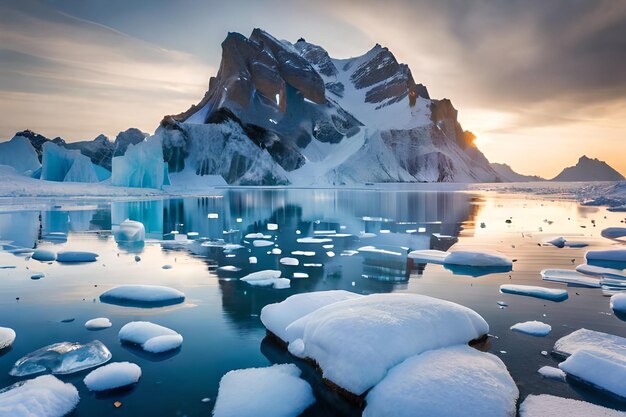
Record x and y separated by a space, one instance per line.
44 396
618 255
567 276
151 337
98 323
113 375
275 391
551 373
550 406
441 382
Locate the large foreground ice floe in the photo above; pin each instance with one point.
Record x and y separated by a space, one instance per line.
44 396
275 391
550 406
151 337
454 381
142 295
534 291
113 375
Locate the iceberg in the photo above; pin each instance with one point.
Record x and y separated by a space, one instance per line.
69 165
76 256
19 154
277 317
113 375
151 337
44 396
569 277
441 383
598 367
276 391
537 292
141 165
262 243
98 323
392 326
62 358
534 328
130 232
44 255
550 406
142 296
7 337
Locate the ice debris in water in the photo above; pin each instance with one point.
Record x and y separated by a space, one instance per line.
615 255
534 328
130 232
431 256
276 391
545 405
589 339
441 382
76 256
266 278
551 372
44 396
466 258
37 275
614 232
567 276
598 367
62 358
7 337
44 255
113 375
98 323
289 261
618 302
151 337
534 291
142 295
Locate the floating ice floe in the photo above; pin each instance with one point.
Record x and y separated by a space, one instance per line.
478 259
44 396
441 383
561 242
398 325
266 278
62 358
314 240
130 232
569 277
430 256
618 303
276 317
262 243
252 260
76 256
289 261
598 367
257 236
142 295
366 235
56 237
113 375
550 406
614 255
551 372
37 275
44 255
614 232
308 253
272 226
534 328
98 323
228 268
276 391
277 251
534 291
151 337
599 271
7 337
589 339
300 275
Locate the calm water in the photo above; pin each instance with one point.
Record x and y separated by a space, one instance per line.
220 318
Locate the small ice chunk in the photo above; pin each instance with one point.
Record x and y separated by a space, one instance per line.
229 268
569 277
598 367
143 295
602 272
151 337
257 236
615 255
537 292
252 260
559 242
545 405
266 278
614 232
44 255
7 337
76 256
366 235
551 372
282 283
37 275
300 275
618 302
428 256
276 391
303 253
98 323
330 254
62 358
130 231
113 375
314 240
534 328
277 251
442 382
262 243
290 261
167 266
466 258
44 396
272 226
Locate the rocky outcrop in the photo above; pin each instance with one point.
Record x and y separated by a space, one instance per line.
588 169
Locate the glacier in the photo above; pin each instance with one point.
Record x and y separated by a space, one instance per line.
65 165
19 154
141 165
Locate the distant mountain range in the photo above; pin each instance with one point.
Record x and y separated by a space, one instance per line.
586 169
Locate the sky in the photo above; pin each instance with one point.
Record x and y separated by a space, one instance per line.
540 82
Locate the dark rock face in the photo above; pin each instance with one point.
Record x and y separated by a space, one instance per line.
131 136
38 140
588 169
99 150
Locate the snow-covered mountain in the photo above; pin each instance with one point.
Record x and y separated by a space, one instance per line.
588 169
283 113
506 174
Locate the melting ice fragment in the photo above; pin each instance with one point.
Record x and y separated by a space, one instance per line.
598 367
428 256
142 296
76 256
62 358
7 337
130 232
569 277
534 328
44 396
537 292
266 278
467 258
151 337
618 303
44 255
113 375
98 323
614 232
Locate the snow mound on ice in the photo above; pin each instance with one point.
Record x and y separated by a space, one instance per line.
266 278
550 406
7 337
151 337
277 317
275 391
129 231
148 295
19 154
76 256
534 328
533 291
98 323
113 375
391 326
44 396
551 373
442 382
598 367
476 259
